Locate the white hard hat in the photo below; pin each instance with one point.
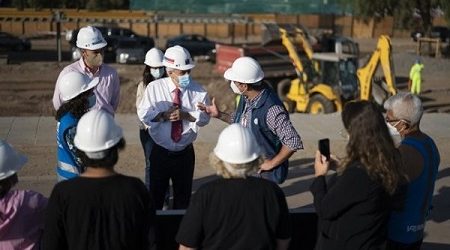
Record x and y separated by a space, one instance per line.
97 131
11 161
90 38
154 58
244 70
177 57
74 83
237 145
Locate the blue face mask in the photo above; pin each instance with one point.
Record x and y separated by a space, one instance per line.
184 80
92 100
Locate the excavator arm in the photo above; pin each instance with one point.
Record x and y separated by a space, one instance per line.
382 55
287 43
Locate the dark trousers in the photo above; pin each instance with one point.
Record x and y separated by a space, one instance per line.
147 144
175 166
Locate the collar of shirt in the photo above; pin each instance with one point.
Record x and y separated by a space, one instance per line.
86 69
252 103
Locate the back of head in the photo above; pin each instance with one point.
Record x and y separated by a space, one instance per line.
154 58
74 83
90 38
97 132
370 143
237 152
177 57
245 70
405 106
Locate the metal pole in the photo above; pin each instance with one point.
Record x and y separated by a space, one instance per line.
58 34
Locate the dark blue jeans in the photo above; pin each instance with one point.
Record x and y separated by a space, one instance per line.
147 145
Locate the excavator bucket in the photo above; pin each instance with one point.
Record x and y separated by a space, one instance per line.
271 32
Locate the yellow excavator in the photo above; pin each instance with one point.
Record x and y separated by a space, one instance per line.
332 79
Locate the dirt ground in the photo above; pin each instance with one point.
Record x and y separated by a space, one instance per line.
27 84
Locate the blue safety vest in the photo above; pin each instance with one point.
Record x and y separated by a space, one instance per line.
407 226
67 166
269 141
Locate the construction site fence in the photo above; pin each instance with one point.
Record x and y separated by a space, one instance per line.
163 25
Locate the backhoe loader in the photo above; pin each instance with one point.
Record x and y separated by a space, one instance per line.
334 78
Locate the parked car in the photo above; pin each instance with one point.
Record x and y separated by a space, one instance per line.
441 32
11 42
112 35
197 45
131 50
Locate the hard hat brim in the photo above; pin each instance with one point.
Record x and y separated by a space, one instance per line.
18 165
231 75
224 157
184 67
154 65
94 47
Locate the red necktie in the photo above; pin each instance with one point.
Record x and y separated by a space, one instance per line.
177 126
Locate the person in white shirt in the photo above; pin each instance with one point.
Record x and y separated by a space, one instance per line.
169 109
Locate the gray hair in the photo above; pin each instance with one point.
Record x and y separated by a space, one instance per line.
405 106
229 170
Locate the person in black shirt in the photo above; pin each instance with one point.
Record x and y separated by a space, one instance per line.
236 211
100 209
353 206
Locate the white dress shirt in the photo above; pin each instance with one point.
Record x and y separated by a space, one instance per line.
158 97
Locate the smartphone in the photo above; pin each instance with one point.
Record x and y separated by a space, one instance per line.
324 147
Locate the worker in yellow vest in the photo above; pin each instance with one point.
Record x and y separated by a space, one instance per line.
415 77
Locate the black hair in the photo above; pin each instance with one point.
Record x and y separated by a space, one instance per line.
77 106
108 161
7 183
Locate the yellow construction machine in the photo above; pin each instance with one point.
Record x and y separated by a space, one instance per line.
332 78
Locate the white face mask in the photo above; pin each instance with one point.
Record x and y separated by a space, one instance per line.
235 88
157 72
394 133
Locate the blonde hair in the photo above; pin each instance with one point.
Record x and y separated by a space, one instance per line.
228 170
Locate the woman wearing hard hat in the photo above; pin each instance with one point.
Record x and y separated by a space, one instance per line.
77 98
236 211
100 209
154 69
21 211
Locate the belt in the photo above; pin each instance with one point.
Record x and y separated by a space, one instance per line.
173 153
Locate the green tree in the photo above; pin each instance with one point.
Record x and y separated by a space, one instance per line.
417 14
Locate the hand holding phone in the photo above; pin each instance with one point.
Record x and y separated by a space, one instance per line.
324 148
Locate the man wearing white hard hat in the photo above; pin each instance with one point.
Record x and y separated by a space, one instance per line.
261 110
92 45
237 210
21 211
169 109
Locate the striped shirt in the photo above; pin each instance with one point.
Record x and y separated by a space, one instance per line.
277 120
